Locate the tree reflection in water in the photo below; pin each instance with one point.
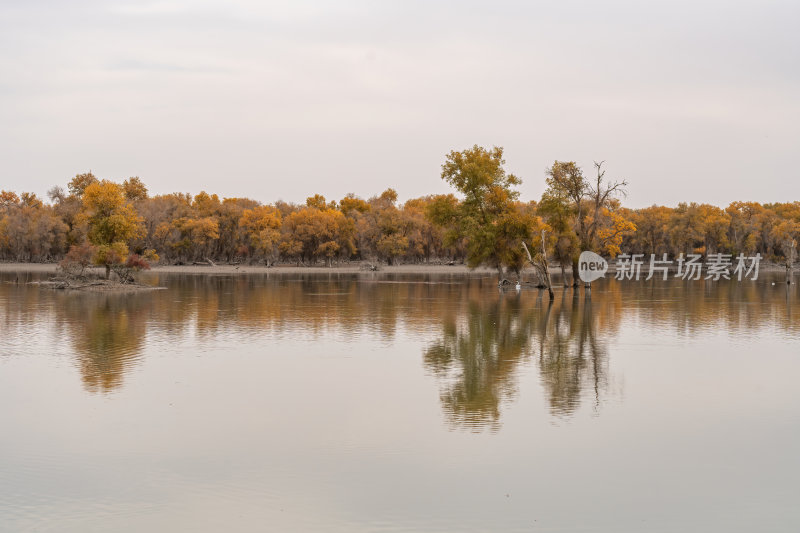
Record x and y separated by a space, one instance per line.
481 340
107 332
572 359
477 357
479 354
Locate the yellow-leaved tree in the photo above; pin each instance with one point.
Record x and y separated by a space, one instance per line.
262 226
112 222
487 218
615 225
591 207
317 231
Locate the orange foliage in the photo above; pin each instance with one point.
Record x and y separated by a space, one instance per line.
484 226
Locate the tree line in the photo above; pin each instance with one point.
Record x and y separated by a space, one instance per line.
102 222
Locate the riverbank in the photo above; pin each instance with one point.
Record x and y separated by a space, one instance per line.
47 268
343 269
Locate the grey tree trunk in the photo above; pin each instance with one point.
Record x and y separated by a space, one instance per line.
575 275
546 268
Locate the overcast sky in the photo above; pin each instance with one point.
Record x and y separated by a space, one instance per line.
687 100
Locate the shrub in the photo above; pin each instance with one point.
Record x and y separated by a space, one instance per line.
134 263
77 259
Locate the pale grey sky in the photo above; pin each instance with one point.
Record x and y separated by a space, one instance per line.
687 100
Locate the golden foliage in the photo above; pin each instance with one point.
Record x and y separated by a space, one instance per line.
483 225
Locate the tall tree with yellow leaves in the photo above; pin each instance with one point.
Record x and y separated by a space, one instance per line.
486 218
262 226
112 222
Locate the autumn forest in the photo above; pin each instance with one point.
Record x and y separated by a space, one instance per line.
102 222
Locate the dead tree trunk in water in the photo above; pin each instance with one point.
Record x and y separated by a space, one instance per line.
546 267
563 274
575 272
541 266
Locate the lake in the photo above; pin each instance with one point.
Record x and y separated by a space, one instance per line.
387 402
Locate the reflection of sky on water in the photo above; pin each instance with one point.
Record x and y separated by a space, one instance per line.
336 404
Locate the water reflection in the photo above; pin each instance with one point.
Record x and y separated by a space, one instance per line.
477 357
315 403
107 333
481 350
573 357
476 340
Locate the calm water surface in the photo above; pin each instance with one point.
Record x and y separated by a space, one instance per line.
378 402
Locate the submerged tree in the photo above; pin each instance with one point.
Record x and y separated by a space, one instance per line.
487 218
591 205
